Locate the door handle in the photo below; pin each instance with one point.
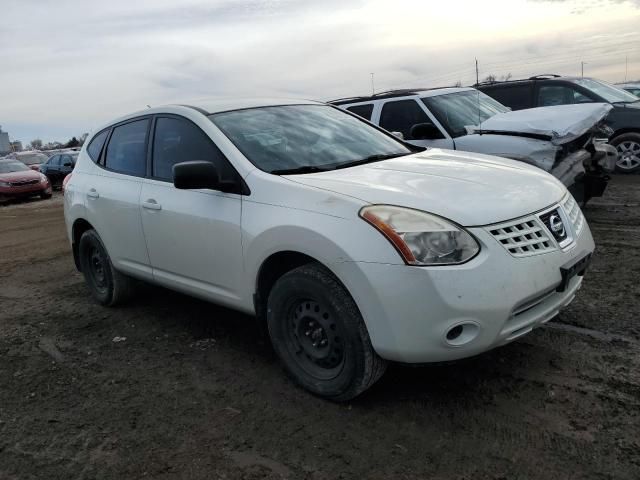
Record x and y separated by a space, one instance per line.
92 193
151 204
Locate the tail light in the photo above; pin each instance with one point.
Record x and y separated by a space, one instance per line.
65 181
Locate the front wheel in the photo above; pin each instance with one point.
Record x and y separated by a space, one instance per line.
108 286
628 147
318 333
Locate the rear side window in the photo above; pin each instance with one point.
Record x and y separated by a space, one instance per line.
95 146
549 95
365 111
177 140
517 97
126 151
54 161
401 115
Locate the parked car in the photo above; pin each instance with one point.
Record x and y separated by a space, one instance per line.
354 247
31 158
59 166
19 181
633 88
624 118
560 140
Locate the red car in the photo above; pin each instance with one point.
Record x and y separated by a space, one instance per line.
17 180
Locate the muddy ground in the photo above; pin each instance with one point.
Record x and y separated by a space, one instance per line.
194 392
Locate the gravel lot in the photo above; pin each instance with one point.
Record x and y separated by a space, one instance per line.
195 392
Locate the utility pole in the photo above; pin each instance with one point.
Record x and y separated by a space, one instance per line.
477 74
626 67
373 89
582 67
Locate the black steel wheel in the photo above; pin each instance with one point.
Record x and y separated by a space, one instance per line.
318 333
108 286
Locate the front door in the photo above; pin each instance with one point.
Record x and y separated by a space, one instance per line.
193 236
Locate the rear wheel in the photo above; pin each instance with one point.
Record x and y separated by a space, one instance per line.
318 333
45 195
628 147
108 286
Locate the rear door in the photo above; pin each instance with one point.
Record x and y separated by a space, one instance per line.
193 236
113 196
51 167
410 117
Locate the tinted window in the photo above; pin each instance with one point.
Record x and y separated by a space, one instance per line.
517 97
54 161
304 136
365 111
401 115
66 159
178 141
95 147
549 95
126 149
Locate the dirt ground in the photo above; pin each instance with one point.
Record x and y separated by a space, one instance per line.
195 392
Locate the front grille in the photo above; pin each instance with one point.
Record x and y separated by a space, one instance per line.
572 209
523 237
24 183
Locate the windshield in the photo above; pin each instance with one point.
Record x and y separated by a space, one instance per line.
457 110
609 92
305 137
10 166
32 158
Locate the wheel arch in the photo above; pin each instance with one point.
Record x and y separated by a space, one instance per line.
80 225
622 131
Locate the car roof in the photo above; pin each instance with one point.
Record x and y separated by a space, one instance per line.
536 78
407 92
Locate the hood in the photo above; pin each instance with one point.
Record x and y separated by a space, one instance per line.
468 188
560 124
20 176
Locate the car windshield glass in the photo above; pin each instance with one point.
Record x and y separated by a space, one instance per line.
305 138
455 111
10 166
610 93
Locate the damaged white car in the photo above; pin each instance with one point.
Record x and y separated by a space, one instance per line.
568 141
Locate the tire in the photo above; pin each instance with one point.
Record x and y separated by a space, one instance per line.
628 147
45 196
108 286
319 335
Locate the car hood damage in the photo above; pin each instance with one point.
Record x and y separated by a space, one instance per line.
559 124
446 183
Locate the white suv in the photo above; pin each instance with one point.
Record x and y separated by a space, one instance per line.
560 140
354 247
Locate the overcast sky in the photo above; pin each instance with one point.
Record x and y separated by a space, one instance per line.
70 65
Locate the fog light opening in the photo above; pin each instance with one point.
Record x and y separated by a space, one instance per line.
454 333
462 334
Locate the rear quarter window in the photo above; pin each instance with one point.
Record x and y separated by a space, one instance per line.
364 111
96 144
517 97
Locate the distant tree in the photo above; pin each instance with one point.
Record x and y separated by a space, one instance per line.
72 143
490 78
83 138
36 144
458 84
494 78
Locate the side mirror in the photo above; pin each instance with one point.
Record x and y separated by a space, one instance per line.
196 174
425 131
398 134
67 164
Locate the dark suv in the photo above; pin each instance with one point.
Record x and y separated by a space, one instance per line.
547 90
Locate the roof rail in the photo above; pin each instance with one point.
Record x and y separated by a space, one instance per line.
385 94
543 76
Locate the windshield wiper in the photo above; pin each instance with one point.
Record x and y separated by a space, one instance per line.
300 170
371 159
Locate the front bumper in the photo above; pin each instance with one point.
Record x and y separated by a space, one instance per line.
497 297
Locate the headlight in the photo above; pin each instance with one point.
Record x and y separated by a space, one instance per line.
422 238
43 178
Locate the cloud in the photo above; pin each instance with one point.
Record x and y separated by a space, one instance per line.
73 65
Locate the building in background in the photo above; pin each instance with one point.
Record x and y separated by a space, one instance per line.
5 145
16 146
